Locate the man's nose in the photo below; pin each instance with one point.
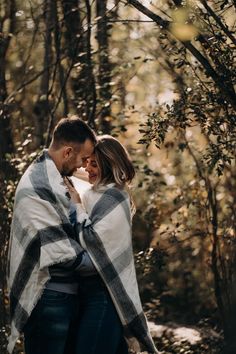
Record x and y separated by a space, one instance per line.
83 164
79 163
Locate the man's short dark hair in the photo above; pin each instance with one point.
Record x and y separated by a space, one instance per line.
72 130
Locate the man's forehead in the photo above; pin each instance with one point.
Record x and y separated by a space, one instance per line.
85 148
85 157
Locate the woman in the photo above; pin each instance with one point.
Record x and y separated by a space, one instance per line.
111 307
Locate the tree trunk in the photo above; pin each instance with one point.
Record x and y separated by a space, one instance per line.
41 108
6 147
78 40
104 76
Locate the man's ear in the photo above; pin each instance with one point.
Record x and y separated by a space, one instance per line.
67 152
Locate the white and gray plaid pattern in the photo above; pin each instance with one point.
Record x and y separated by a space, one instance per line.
41 236
105 232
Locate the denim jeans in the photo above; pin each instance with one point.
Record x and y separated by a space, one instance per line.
51 326
99 328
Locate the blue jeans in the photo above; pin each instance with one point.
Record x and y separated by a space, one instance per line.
99 328
51 326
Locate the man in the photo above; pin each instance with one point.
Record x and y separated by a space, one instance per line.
43 251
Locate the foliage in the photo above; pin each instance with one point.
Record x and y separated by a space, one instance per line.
199 126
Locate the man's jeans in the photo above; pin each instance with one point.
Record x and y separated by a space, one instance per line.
99 328
52 324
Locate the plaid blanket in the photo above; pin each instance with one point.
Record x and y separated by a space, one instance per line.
105 232
41 236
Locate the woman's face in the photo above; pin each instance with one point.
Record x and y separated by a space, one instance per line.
92 169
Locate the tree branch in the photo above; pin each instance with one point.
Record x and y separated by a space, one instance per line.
218 21
210 71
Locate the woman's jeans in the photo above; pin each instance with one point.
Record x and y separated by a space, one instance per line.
99 328
52 325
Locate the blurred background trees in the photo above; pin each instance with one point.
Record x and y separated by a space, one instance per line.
160 75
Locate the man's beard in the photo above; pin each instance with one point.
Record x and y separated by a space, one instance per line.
67 171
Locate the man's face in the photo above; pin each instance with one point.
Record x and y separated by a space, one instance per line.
76 157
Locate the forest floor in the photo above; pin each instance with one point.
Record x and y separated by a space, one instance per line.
173 338
178 336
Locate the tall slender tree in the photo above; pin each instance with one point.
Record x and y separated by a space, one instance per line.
104 70
79 49
7 25
41 107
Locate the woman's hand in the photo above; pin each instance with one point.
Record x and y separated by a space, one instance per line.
75 197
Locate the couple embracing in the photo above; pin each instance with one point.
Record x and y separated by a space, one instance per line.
71 274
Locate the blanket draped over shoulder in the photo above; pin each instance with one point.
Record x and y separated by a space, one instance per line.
41 236
105 232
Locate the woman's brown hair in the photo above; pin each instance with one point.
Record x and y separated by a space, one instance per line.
113 162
